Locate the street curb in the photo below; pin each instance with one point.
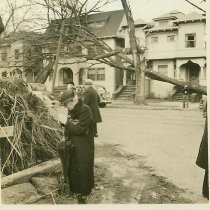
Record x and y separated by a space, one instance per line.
152 108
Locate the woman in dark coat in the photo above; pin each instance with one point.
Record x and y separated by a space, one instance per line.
202 160
79 130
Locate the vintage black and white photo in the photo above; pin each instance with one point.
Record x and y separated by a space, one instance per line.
103 102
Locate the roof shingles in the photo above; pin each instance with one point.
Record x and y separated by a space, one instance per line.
112 20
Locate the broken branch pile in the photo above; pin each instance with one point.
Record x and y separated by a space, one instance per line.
36 133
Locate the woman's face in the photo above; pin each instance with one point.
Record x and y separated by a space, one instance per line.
71 103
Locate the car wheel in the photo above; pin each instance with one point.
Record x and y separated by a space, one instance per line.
102 105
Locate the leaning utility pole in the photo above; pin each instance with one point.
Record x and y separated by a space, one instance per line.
139 71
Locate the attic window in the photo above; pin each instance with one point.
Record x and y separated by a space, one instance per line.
97 24
163 23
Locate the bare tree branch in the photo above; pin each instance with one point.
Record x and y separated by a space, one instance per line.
196 6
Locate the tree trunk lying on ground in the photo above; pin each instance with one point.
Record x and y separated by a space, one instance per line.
25 175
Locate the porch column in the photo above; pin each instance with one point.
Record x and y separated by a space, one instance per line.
124 78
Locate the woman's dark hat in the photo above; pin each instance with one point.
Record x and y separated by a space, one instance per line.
66 96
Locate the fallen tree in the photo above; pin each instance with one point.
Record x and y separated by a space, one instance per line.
36 133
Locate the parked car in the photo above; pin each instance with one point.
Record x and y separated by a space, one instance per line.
105 97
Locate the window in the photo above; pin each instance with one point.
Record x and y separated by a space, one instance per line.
154 39
97 24
190 40
163 69
4 56
17 54
171 38
163 23
96 74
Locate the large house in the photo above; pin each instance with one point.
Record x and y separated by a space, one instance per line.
106 26
176 47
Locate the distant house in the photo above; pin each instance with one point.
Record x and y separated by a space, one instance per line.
176 48
106 26
19 55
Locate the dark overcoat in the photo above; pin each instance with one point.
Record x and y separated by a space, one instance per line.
79 129
92 99
202 158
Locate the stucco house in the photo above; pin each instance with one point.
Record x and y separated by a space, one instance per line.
106 26
176 47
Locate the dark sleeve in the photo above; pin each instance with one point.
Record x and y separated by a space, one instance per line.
82 126
202 158
98 98
87 98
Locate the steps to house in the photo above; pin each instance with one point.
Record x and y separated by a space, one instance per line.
126 93
178 96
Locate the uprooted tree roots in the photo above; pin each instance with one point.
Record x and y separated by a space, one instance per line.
36 133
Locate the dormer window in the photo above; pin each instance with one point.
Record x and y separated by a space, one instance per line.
97 24
190 40
163 23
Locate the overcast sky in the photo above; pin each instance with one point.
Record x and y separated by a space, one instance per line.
149 9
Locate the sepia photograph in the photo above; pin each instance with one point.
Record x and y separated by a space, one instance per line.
103 102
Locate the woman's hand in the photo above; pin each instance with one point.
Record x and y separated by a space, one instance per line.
73 121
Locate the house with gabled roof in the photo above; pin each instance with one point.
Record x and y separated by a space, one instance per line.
106 26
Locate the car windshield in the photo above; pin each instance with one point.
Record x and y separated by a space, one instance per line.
100 88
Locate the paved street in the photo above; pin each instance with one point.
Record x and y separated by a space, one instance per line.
167 140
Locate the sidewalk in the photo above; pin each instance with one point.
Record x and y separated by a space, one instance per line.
154 104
